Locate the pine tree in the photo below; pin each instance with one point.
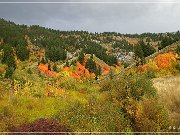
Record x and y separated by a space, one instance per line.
22 51
148 50
99 70
9 72
8 56
91 65
81 57
56 53
49 66
139 55
55 67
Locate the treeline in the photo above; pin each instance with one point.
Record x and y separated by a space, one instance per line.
143 50
123 45
57 43
13 43
14 35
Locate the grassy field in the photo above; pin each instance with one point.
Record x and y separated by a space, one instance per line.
169 91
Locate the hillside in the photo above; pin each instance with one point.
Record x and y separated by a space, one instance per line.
77 81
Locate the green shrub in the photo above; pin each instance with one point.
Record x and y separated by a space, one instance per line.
151 116
94 117
177 66
9 72
132 86
1 74
126 64
6 111
29 71
129 94
150 73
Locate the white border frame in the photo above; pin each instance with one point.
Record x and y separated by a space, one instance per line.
88 2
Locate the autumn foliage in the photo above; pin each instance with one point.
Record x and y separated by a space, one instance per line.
164 60
143 67
80 72
44 69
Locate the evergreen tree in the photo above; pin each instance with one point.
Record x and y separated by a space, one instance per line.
56 53
9 72
148 49
139 55
81 57
99 70
91 65
8 56
22 51
55 67
166 41
49 66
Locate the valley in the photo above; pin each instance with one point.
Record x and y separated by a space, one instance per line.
78 81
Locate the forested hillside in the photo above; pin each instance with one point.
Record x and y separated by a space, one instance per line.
51 80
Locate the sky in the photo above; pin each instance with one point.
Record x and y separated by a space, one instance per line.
136 17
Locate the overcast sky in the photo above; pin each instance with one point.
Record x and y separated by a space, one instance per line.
97 17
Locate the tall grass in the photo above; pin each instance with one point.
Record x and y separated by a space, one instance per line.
169 92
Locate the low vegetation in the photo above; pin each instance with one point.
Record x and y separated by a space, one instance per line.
168 89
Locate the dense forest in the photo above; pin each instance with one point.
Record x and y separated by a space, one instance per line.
57 43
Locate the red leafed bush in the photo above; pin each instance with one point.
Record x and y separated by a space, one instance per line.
42 125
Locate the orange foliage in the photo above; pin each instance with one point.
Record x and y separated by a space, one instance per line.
79 66
76 76
66 69
143 67
3 70
80 72
87 72
105 72
50 73
164 60
43 67
107 68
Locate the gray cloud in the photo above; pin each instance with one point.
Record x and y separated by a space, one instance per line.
123 18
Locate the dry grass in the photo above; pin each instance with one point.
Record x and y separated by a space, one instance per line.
169 93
